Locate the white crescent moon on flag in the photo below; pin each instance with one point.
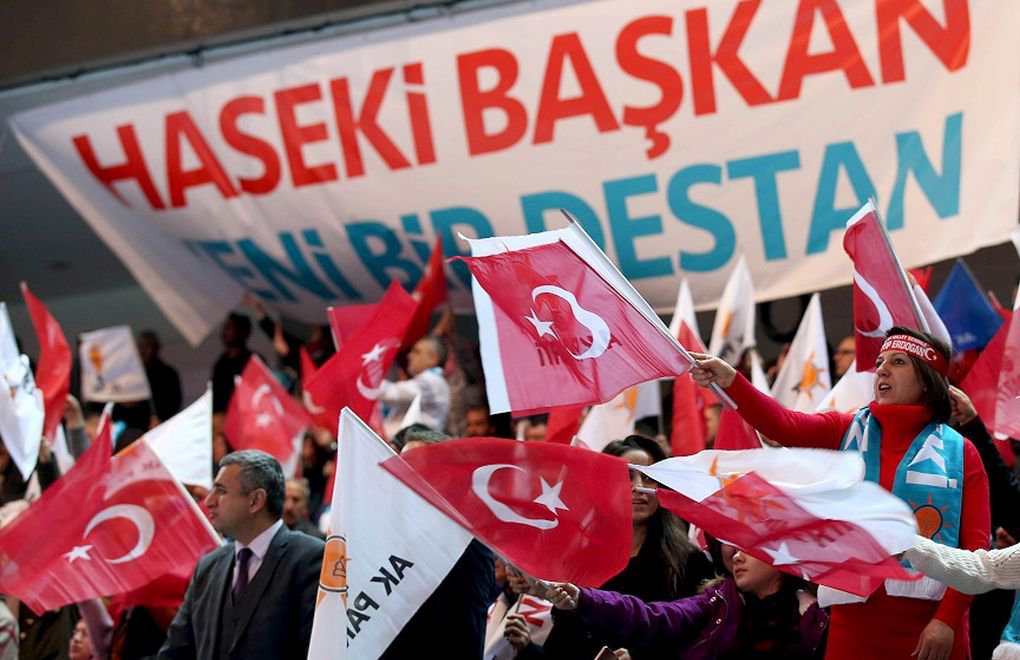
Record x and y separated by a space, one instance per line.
142 520
885 320
261 391
480 486
598 328
368 392
310 404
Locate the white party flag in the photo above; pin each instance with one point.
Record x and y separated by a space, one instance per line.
111 369
804 379
403 545
184 443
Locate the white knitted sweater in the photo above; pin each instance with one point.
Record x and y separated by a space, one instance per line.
966 571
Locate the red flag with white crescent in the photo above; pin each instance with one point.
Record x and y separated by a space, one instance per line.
558 512
106 527
882 296
565 336
353 375
263 415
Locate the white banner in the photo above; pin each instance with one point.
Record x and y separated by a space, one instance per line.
111 369
681 135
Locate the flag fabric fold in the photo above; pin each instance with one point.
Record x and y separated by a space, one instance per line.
557 512
806 512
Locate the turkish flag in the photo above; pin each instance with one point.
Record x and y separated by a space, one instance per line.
564 335
351 377
768 524
882 296
345 321
558 512
263 415
53 371
805 511
106 527
429 294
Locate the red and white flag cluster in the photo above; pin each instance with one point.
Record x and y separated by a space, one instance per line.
807 512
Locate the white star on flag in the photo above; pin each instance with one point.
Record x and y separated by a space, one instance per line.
780 555
541 327
78 552
263 420
550 497
373 355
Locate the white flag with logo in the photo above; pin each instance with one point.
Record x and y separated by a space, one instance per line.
615 419
22 410
395 536
852 392
804 379
22 413
733 330
184 443
111 369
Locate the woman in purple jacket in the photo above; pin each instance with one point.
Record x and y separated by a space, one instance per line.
757 613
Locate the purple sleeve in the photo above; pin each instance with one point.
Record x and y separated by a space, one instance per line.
653 623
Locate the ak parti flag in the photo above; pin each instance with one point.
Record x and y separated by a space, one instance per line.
53 370
353 375
377 527
429 294
108 526
560 513
558 326
806 512
262 415
882 296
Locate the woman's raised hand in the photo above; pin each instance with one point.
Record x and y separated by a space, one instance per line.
710 369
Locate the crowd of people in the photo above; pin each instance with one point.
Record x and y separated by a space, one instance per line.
680 595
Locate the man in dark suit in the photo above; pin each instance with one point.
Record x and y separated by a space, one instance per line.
255 596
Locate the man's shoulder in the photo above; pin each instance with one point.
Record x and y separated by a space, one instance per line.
209 559
302 544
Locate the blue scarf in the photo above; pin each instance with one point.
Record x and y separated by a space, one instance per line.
929 477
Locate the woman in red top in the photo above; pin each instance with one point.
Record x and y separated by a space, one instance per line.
911 392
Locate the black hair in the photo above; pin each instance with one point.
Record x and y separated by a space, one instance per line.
665 529
259 470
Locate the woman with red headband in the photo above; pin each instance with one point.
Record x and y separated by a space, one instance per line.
909 449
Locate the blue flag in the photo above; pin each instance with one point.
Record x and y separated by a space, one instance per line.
966 311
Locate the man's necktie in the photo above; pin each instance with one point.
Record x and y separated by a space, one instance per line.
243 557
